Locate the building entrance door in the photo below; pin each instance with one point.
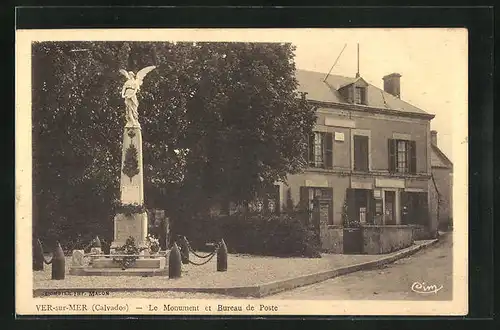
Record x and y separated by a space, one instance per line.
322 211
363 205
390 201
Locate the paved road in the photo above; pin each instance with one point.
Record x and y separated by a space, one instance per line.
393 282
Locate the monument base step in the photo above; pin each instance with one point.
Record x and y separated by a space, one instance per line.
147 262
145 272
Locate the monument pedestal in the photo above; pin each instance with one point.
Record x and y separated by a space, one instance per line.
134 225
130 221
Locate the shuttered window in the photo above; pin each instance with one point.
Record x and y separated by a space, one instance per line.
361 153
320 150
402 156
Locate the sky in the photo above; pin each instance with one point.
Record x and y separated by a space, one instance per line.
432 62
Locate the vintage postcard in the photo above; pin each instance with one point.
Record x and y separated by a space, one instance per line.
241 172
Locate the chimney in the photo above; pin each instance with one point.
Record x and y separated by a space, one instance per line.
392 85
434 138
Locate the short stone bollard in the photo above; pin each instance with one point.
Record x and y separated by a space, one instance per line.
184 249
38 258
58 263
174 262
96 243
222 257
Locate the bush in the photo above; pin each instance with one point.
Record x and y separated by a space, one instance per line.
282 235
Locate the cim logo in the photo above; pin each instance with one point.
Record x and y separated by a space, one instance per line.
424 288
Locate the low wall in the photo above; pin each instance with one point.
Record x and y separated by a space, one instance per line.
332 239
422 233
386 239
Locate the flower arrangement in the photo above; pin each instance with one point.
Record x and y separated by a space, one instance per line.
153 243
131 250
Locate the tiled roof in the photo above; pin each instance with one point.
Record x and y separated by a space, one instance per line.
439 159
327 91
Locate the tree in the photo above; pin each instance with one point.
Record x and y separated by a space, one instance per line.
220 121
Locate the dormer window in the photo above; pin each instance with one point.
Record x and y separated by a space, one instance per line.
359 95
355 92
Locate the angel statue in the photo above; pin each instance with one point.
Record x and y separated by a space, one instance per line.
129 93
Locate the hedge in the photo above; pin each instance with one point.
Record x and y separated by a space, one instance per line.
283 235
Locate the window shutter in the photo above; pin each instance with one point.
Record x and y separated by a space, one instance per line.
310 159
371 208
361 153
329 150
413 157
356 152
365 153
351 206
351 94
391 147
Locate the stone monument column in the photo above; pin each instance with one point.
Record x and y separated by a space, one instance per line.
131 219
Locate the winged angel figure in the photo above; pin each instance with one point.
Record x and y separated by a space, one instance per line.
129 93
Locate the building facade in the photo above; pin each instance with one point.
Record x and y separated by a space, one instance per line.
369 161
441 190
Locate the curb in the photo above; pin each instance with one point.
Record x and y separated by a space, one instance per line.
284 285
261 290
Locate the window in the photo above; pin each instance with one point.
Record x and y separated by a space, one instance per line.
402 165
359 95
360 153
402 156
320 150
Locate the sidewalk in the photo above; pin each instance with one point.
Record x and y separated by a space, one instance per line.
247 276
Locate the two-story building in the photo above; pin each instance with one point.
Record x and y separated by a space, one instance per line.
369 162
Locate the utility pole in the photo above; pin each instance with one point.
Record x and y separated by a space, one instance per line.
357 73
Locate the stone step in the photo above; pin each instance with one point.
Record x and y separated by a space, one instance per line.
118 272
147 263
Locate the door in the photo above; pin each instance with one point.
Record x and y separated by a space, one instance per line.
322 216
390 214
406 208
362 205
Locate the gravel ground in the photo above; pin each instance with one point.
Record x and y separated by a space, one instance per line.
243 270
